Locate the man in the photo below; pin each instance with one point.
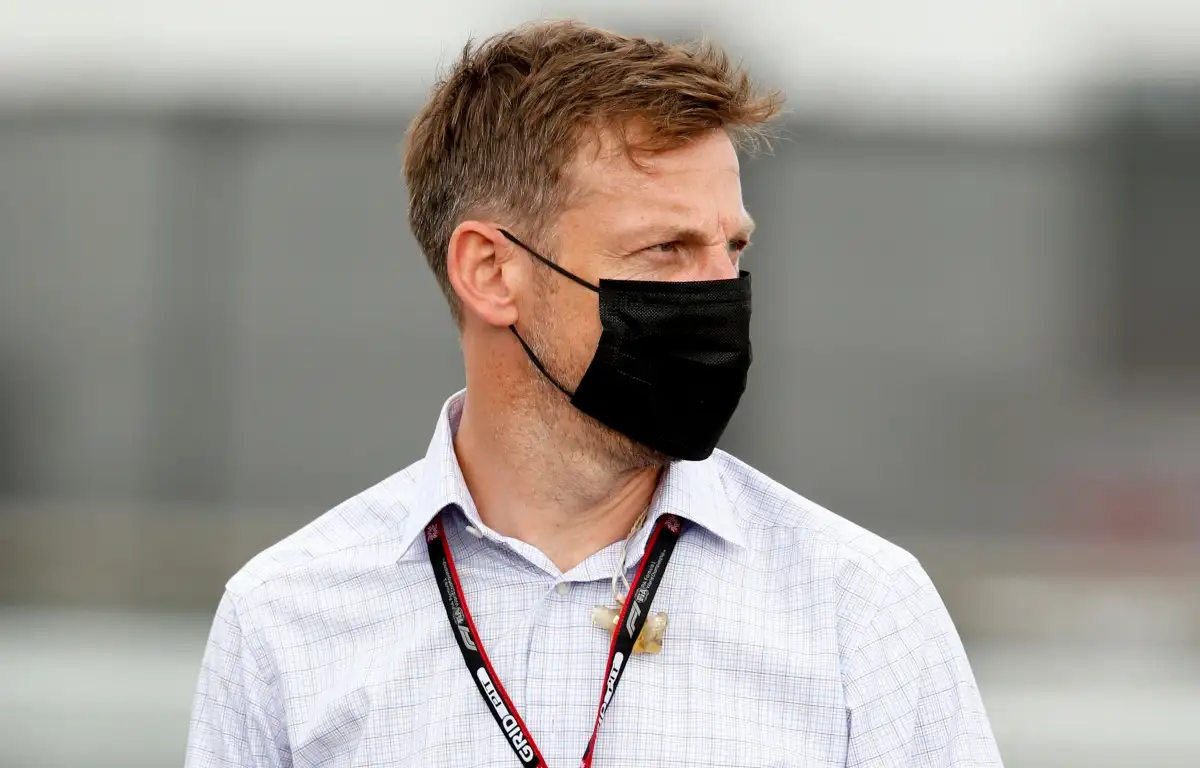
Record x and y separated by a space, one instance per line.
572 573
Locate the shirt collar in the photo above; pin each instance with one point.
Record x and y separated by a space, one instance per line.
692 490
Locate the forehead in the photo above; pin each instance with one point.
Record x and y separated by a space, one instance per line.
699 177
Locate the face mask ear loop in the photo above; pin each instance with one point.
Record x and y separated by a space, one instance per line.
538 364
570 276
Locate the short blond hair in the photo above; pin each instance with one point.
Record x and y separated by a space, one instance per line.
501 128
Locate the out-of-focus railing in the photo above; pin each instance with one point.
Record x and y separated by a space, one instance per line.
1006 588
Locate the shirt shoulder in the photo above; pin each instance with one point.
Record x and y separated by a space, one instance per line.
356 536
775 516
827 559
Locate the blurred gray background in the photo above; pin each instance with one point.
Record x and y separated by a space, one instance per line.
977 329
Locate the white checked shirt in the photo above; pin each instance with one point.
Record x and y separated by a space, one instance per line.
795 638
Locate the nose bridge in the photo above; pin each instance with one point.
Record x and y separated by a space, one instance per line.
715 263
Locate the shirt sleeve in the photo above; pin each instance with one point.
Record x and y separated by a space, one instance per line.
911 697
235 719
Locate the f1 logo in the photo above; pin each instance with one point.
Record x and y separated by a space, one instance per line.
635 611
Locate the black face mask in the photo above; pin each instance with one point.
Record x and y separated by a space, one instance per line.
672 360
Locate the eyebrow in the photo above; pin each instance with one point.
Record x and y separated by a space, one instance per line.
747 225
685 233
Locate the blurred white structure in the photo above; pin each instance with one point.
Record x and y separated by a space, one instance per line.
998 64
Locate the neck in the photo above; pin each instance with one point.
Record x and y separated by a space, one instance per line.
527 486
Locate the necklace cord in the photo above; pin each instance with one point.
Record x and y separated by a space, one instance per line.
619 593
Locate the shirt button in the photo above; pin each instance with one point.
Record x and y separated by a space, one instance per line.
562 588
474 532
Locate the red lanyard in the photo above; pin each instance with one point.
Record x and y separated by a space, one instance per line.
629 626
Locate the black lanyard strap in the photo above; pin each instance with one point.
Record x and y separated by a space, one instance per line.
629 625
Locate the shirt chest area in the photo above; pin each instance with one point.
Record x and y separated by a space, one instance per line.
744 678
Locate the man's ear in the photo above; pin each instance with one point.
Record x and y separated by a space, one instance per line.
479 265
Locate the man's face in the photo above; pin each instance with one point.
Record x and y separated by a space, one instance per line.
677 217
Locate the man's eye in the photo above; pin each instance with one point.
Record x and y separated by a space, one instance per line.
670 247
738 246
